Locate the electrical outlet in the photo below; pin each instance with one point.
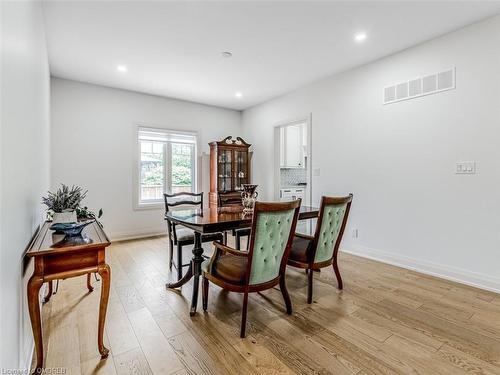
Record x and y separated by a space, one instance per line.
465 167
355 233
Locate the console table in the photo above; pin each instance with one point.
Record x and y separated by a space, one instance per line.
59 257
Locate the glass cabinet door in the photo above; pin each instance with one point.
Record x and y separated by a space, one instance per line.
224 169
240 169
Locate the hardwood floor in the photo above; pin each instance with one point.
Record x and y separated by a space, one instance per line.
387 320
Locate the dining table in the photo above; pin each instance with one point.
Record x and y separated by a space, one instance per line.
213 220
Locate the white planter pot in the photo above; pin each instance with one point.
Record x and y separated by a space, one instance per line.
64 217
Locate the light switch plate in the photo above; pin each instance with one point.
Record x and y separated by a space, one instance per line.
465 167
316 172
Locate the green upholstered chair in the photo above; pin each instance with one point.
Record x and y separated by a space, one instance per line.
263 266
321 250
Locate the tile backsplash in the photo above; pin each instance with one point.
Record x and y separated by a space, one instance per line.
292 176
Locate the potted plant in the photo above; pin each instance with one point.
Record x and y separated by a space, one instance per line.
83 213
64 202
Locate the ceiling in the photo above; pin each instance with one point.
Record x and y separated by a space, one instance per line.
174 49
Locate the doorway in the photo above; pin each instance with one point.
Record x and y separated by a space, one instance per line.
292 162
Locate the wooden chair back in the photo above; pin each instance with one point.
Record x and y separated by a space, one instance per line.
177 199
228 199
193 200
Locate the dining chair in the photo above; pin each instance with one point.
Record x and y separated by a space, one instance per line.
181 236
321 250
263 266
231 199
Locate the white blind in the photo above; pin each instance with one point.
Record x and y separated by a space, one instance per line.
160 135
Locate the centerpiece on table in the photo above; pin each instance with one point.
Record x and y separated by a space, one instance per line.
66 212
248 197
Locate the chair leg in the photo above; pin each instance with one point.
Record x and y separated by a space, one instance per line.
337 273
179 262
225 238
310 277
204 294
286 296
89 284
49 292
244 316
238 241
171 253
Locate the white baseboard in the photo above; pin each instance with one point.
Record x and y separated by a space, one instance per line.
458 275
133 235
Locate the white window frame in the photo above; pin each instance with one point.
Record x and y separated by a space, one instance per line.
136 188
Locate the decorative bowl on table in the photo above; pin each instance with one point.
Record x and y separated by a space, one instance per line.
70 229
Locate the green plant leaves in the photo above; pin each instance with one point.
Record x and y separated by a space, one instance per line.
65 198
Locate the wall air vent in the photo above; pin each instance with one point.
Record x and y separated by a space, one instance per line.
426 85
402 91
390 94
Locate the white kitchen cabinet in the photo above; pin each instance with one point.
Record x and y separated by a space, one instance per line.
293 143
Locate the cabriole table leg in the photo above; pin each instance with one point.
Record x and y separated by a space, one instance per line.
34 284
105 273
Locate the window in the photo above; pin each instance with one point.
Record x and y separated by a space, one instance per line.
166 164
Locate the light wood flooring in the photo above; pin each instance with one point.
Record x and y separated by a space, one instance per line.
387 320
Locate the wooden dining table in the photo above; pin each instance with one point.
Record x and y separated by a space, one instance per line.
212 220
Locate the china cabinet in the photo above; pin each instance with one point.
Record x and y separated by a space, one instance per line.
229 167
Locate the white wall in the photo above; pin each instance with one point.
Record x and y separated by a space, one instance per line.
93 145
399 159
24 166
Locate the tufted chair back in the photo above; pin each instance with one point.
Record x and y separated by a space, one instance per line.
272 234
331 223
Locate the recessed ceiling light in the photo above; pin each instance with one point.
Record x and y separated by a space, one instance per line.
122 68
238 94
359 37
226 54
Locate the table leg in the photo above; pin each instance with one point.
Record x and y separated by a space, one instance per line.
197 259
196 265
105 273
34 285
49 292
187 276
194 270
